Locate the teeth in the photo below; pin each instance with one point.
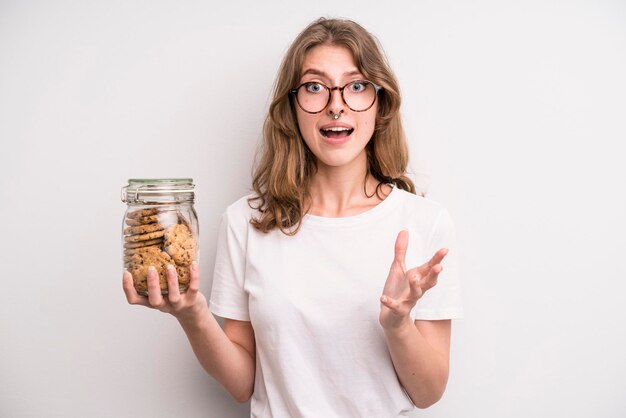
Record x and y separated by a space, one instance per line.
337 129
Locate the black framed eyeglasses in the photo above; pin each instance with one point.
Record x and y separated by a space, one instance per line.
358 95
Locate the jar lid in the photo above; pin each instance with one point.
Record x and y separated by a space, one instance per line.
158 191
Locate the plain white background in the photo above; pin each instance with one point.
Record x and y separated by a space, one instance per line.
515 114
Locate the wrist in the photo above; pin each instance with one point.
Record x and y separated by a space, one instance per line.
194 314
401 328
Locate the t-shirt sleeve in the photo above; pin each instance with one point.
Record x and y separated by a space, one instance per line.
444 300
228 297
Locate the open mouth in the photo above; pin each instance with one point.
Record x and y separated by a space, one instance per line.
336 132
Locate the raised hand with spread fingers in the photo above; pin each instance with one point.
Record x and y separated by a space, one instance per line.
403 287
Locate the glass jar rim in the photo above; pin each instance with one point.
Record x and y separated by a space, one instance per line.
161 181
158 191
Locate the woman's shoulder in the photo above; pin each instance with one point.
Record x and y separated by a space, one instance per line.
423 213
417 202
242 210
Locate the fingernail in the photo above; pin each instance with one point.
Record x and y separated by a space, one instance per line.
170 267
151 268
194 265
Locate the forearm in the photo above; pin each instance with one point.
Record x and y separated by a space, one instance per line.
227 362
421 369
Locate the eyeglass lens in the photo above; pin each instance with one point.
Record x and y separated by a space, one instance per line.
357 95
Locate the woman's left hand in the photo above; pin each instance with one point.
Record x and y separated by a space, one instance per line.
404 288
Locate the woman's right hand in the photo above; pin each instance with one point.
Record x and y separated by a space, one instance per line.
183 305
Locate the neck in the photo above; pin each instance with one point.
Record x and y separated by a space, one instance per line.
342 191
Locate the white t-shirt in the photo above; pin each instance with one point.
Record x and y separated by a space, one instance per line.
313 301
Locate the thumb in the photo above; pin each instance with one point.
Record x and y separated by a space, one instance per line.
402 242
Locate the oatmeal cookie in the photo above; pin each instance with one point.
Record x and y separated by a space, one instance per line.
144 220
142 229
140 213
183 277
144 237
180 244
146 243
148 248
129 252
164 218
139 264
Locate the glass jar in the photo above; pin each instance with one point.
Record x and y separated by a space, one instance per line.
160 228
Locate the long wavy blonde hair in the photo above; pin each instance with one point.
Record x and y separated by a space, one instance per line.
284 162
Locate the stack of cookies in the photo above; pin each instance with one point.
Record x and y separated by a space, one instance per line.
157 237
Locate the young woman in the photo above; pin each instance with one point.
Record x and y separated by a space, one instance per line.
323 314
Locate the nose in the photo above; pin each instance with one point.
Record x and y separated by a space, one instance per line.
336 104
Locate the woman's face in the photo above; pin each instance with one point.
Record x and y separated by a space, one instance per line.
335 142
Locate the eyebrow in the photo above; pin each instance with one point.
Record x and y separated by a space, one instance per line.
314 71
